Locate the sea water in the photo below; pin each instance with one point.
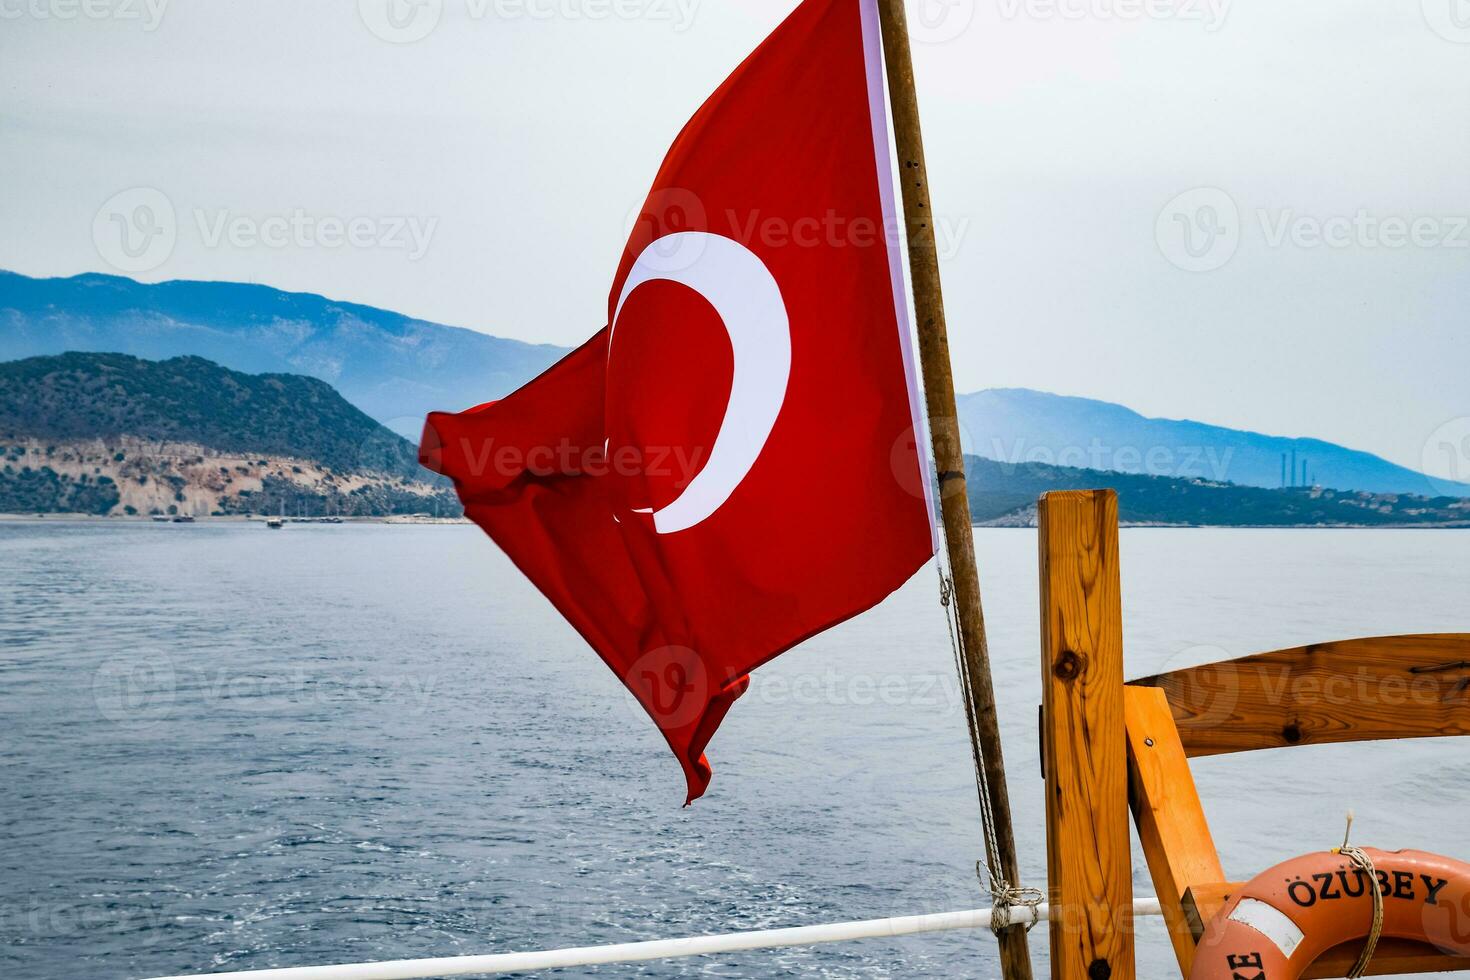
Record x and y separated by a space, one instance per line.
223 747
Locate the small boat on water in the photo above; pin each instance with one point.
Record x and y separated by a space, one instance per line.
274 523
160 518
183 519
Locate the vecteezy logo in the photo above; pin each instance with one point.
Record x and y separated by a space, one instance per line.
660 220
135 230
401 21
134 691
1199 230
1447 453
671 683
1450 19
938 21
1209 685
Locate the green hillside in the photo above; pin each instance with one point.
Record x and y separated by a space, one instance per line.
189 399
110 433
1004 493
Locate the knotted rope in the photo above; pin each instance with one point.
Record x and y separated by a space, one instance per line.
1004 894
1364 864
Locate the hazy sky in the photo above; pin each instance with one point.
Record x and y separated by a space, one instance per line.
488 168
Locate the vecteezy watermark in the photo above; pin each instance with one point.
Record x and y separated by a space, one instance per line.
1209 684
138 690
400 21
859 689
674 684
136 230
407 21
142 924
831 229
145 691
1447 452
1364 230
566 458
1446 918
678 13
1202 229
1450 19
299 228
1210 14
1199 230
1183 462
940 21
668 211
147 13
908 461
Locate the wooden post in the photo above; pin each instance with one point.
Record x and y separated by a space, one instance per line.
1084 744
954 498
1172 829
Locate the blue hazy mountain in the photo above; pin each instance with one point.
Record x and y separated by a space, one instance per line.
397 368
1015 425
393 367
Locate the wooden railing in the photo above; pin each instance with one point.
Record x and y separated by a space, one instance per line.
1106 747
1381 687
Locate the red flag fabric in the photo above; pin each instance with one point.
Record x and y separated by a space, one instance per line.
730 466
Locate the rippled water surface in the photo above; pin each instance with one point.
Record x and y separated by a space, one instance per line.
223 747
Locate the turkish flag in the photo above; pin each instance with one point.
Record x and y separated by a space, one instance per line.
730 466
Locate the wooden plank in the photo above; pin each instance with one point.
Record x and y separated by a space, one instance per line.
1394 957
1348 691
1166 809
1087 844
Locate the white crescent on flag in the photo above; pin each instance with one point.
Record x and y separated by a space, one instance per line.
743 292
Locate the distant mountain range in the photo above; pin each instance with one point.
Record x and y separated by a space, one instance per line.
393 367
397 369
1015 425
111 433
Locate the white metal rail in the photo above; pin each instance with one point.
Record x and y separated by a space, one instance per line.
837 932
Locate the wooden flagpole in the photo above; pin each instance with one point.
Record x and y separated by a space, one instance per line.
944 431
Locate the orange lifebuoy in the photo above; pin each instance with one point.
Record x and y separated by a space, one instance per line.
1288 916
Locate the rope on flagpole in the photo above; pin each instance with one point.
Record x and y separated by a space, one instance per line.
1004 893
